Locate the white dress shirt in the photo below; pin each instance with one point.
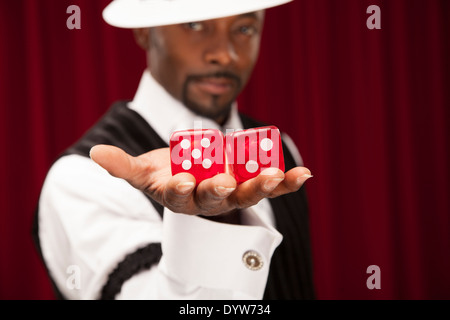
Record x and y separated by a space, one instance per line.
89 221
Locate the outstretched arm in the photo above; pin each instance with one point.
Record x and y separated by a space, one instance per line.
151 173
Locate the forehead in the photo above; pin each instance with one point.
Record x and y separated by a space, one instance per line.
256 15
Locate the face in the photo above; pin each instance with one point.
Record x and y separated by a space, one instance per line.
206 64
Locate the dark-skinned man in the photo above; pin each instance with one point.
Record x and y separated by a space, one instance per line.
111 207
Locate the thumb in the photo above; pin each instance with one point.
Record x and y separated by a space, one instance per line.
113 159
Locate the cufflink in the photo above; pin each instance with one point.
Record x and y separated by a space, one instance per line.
252 260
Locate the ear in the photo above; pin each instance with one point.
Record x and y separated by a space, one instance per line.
142 37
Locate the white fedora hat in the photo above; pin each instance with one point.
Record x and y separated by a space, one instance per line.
152 13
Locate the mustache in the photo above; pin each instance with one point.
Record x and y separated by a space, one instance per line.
217 74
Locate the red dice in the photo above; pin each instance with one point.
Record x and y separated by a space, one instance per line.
243 154
251 151
199 152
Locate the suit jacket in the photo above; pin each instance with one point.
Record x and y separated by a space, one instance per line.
290 275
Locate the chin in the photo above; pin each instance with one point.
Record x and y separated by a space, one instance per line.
214 112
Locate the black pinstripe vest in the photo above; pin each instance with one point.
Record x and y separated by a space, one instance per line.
290 275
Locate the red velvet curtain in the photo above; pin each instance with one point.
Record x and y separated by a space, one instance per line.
368 109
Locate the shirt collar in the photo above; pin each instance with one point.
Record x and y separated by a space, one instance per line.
165 114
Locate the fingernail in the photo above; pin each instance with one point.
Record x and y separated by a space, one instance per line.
271 184
303 178
269 171
224 192
185 187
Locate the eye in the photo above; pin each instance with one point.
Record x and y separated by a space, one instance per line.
247 30
196 26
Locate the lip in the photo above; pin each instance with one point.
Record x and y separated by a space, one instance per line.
215 85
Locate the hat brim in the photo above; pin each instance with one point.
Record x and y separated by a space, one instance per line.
151 13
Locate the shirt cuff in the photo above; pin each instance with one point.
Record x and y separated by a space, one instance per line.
209 254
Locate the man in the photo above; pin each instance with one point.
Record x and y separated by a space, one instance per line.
132 230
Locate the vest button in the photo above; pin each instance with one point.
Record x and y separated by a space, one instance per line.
252 260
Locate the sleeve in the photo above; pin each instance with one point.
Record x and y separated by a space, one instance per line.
97 225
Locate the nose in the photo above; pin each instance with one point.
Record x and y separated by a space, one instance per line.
221 51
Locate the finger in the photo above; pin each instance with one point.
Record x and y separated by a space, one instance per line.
254 190
293 181
212 193
178 194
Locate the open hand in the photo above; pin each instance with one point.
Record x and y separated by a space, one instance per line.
151 173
